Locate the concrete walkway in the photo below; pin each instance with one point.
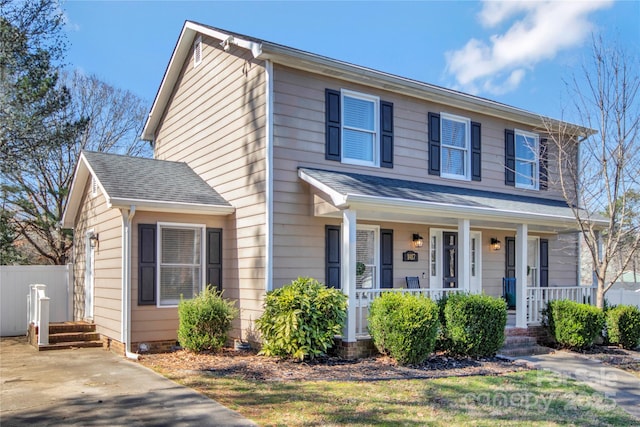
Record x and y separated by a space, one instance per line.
94 387
619 385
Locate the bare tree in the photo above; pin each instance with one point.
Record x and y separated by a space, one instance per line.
598 170
38 194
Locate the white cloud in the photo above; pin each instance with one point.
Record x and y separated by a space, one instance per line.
538 32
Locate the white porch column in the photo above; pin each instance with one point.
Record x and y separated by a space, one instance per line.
464 255
348 278
521 275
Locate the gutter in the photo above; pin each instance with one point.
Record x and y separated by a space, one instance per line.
127 218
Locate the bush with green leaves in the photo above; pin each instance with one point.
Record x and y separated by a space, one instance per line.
623 326
474 324
405 326
205 321
300 320
573 325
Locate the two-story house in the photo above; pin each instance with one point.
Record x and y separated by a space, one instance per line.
273 163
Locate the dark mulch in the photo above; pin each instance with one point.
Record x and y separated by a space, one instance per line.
628 360
248 365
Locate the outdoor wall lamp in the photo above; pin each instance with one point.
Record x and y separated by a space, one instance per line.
93 240
495 244
418 241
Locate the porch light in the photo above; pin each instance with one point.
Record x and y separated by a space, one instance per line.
495 244
93 240
418 241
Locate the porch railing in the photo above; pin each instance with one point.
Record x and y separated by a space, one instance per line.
364 297
537 299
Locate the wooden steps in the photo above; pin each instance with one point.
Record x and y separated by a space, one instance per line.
68 335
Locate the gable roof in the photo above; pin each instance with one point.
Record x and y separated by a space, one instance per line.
366 192
295 58
149 184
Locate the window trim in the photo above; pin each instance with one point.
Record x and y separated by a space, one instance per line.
466 150
174 225
376 128
536 162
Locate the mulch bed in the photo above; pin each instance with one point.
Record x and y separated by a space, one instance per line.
628 360
248 365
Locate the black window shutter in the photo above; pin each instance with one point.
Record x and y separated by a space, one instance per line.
386 134
214 257
509 158
332 256
332 125
386 258
544 263
146 264
476 152
543 179
434 144
510 261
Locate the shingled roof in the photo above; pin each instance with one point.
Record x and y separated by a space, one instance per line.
347 189
149 184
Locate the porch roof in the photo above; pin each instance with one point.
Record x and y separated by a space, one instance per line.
404 200
149 184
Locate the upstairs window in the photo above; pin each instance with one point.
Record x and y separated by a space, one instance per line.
527 148
454 138
359 129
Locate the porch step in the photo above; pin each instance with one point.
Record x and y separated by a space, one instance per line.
70 327
63 337
70 345
518 343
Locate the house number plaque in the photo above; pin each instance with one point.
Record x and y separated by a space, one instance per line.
410 256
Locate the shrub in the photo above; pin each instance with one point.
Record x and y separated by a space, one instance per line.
623 326
442 342
574 325
205 321
475 324
404 326
301 319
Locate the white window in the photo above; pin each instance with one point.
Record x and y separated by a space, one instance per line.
197 51
181 272
454 140
360 133
527 156
367 257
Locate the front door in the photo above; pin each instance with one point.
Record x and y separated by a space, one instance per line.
89 277
450 259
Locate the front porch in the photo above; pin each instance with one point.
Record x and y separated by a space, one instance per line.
536 300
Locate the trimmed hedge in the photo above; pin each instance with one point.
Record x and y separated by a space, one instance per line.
301 319
474 324
623 326
574 325
205 321
404 326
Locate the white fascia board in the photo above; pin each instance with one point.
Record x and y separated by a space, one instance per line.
338 199
173 207
356 201
82 173
179 55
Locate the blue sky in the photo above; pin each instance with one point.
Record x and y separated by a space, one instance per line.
517 53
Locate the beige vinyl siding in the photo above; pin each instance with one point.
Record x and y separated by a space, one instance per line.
215 122
94 214
299 131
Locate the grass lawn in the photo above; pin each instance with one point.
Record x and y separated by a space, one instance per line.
519 398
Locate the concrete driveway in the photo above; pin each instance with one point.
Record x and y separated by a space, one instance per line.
96 387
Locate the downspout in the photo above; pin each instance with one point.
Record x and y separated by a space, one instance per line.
127 217
269 176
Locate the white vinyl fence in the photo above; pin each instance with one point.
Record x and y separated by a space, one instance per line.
623 296
14 288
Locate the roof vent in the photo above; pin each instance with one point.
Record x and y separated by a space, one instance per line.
197 51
